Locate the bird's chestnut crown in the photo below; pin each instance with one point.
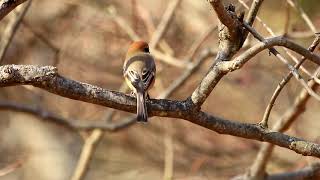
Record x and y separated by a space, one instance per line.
138 46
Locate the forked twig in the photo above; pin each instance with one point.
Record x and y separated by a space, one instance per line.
284 81
293 70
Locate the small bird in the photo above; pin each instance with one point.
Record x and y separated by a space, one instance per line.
139 70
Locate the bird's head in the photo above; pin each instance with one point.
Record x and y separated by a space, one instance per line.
138 47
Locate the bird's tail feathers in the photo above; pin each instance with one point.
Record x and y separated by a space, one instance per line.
142 114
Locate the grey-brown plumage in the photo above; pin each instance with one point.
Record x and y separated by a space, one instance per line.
139 71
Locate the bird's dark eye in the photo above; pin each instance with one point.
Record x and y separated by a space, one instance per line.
146 49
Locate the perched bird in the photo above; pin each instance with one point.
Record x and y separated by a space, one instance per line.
139 70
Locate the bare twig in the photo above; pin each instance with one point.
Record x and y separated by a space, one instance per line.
196 45
93 140
252 14
124 25
299 34
287 21
164 23
179 81
85 156
10 168
170 59
42 38
167 141
146 17
169 153
134 19
11 28
253 11
303 15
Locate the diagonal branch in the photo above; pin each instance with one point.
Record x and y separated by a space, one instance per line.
11 167
164 24
216 72
253 11
11 28
252 14
7 6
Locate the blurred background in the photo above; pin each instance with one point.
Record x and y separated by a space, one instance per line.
85 40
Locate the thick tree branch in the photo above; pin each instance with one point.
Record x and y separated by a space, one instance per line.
256 132
230 38
47 78
230 30
226 17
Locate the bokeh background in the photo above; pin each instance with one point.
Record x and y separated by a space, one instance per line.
83 40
